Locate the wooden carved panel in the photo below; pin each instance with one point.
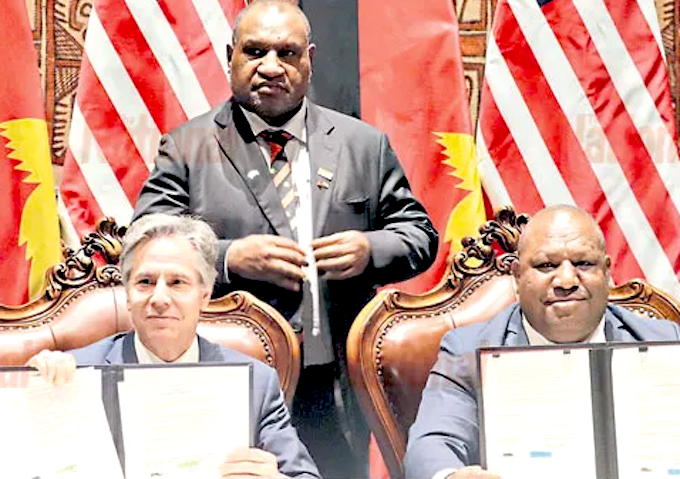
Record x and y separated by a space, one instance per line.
59 34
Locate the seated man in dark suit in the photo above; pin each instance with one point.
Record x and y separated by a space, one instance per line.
562 279
168 271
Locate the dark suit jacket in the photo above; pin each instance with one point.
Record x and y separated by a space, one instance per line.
212 167
446 433
273 429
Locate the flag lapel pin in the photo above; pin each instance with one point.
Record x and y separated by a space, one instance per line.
325 174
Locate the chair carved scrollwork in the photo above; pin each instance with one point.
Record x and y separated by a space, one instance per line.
395 339
83 301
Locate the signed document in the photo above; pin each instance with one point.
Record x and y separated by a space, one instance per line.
55 432
538 419
646 387
124 421
600 411
181 422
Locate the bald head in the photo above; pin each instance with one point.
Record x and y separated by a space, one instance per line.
562 274
553 216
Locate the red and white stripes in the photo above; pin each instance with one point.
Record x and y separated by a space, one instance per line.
148 67
576 109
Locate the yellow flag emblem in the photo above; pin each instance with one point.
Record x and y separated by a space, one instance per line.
39 230
468 214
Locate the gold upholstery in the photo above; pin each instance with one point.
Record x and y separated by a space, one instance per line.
395 339
83 301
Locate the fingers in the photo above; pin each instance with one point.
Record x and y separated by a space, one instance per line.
55 367
342 267
285 276
342 255
250 463
319 243
473 472
336 263
270 258
294 257
352 243
284 242
280 261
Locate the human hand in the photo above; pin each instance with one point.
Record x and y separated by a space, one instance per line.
250 463
342 255
473 472
55 367
275 259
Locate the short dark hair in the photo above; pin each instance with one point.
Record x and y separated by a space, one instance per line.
277 3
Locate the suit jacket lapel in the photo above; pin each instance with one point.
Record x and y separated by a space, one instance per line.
323 159
209 352
241 149
515 334
616 331
123 350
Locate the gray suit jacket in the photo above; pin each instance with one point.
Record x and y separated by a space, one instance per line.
445 433
273 429
212 167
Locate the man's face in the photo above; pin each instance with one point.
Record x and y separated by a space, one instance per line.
271 63
165 296
563 278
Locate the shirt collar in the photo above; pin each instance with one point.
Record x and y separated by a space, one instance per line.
295 126
537 339
145 356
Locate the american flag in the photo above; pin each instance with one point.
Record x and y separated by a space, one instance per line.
148 67
576 109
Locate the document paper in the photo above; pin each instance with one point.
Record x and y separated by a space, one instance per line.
179 423
646 387
55 432
537 414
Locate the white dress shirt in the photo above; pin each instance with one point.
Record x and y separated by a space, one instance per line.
297 153
537 339
145 356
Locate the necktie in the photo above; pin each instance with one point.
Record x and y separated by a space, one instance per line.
281 173
316 345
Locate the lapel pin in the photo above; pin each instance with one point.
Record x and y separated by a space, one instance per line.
325 174
252 174
322 184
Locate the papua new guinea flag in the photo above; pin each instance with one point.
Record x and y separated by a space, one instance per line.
397 65
29 228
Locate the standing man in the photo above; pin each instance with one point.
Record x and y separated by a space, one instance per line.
312 209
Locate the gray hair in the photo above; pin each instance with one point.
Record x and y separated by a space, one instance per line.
161 225
278 3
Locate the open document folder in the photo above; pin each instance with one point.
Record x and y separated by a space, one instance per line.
600 411
132 421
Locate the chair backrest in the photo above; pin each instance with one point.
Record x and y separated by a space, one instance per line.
83 301
394 341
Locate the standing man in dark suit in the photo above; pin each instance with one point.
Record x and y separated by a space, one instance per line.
313 237
168 272
562 278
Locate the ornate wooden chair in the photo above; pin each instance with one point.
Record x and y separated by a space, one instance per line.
395 339
83 301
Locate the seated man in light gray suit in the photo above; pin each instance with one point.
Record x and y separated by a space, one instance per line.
562 279
168 271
